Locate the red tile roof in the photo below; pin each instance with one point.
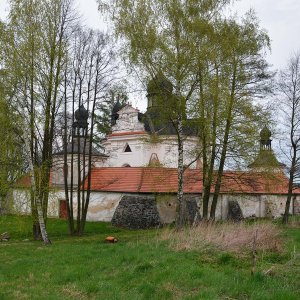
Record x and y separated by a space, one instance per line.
164 180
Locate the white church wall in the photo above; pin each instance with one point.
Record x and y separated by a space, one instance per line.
260 206
103 205
58 170
128 121
142 148
128 130
22 204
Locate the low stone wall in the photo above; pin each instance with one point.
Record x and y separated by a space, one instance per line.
136 212
143 211
192 207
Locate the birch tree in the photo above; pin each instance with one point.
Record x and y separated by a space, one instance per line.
159 41
289 94
240 77
35 57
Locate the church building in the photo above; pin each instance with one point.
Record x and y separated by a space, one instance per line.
134 180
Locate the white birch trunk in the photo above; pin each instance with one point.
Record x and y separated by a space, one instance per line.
37 199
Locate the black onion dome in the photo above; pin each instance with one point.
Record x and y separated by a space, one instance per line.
81 114
265 133
159 84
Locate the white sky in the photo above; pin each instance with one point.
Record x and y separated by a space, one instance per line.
281 19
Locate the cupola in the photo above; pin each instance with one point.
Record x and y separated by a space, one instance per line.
157 87
81 117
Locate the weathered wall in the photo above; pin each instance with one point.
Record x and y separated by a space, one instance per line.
103 205
166 206
22 204
253 205
142 149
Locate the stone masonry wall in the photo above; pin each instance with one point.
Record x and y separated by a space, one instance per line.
136 212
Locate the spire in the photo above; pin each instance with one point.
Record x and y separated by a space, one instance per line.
266 159
81 117
265 139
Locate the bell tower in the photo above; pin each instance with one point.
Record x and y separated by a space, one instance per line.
158 89
265 139
266 159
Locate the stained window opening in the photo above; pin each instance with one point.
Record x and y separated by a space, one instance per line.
127 148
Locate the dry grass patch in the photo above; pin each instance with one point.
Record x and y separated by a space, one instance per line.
71 291
233 237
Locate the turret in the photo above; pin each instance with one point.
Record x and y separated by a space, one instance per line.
266 159
159 87
265 139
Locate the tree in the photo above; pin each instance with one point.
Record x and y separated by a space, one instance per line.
160 39
88 77
34 56
116 94
288 85
11 154
240 75
215 64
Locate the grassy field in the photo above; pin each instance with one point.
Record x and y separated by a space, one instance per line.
141 265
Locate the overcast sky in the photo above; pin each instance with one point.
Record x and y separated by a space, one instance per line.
281 19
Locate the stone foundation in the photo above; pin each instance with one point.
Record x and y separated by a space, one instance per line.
136 212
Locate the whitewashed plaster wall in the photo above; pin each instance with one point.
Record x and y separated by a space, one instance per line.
253 205
103 205
58 170
128 130
22 203
142 149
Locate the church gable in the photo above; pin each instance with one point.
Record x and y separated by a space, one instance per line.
128 120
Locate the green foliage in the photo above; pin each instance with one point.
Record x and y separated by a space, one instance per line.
104 109
11 154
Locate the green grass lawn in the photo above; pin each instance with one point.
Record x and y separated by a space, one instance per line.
139 266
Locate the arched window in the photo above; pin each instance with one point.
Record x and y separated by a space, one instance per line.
154 161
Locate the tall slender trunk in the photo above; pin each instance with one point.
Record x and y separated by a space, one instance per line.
224 148
35 198
203 136
181 215
285 218
88 192
209 165
78 185
66 171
